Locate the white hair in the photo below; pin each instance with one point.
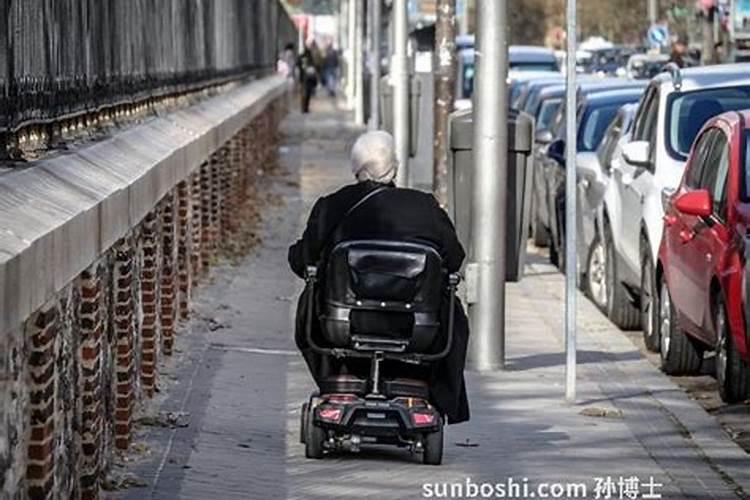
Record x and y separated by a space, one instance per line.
374 157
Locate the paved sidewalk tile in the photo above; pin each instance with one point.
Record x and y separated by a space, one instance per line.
243 386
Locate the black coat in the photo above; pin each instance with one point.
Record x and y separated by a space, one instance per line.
394 214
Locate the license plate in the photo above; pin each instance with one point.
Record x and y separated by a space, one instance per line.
376 415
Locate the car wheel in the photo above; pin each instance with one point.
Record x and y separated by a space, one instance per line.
620 308
539 233
649 302
433 448
731 370
679 355
314 437
554 255
596 274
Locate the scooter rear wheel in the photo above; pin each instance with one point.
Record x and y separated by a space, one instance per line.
303 423
314 437
433 448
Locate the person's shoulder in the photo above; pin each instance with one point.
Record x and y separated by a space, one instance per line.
416 194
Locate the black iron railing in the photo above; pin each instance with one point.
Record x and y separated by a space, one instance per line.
61 58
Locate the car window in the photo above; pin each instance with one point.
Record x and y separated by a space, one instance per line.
547 113
698 162
609 143
644 116
715 170
594 124
689 111
746 167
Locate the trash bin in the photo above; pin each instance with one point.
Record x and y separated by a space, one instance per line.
460 184
386 109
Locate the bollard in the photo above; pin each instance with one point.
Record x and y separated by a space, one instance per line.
520 142
386 109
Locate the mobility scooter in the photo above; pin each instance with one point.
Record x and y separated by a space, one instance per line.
378 302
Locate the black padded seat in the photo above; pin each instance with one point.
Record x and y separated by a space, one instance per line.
343 384
383 291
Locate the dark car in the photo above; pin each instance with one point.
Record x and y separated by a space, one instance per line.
596 110
550 129
520 58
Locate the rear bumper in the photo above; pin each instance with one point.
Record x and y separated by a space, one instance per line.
378 418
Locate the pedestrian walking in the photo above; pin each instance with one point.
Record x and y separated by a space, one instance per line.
308 76
330 70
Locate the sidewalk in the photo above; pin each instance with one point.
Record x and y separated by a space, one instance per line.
243 383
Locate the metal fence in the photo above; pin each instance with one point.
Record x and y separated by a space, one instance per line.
60 58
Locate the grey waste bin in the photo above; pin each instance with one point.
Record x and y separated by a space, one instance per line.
520 141
386 109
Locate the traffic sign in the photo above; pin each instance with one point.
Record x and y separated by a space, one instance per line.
658 35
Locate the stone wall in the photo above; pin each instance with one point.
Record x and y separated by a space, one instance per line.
74 371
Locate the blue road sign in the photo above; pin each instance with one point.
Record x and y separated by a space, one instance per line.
658 35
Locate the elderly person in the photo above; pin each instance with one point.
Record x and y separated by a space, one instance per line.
373 208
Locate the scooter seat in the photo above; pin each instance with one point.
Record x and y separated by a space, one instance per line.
343 384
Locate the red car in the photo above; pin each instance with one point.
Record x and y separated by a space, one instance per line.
702 258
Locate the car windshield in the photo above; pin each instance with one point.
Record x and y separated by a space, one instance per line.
688 112
595 123
546 113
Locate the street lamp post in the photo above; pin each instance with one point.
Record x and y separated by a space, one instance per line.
489 187
571 148
375 27
400 83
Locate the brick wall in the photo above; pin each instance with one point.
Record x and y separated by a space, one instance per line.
74 375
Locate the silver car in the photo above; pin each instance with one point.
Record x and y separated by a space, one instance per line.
595 198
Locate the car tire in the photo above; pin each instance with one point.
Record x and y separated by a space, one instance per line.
595 280
679 354
314 437
732 372
649 311
539 233
620 309
432 443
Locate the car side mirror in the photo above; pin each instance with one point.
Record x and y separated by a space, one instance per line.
544 136
638 154
556 151
697 203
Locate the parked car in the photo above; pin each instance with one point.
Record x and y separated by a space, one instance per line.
520 58
543 166
645 66
595 112
675 106
702 259
595 193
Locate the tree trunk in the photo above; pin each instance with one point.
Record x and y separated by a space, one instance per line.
445 92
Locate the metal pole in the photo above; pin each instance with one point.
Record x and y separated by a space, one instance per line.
376 26
653 11
400 83
570 205
489 203
462 9
359 74
352 51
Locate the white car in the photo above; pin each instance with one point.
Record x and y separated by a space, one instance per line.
673 109
597 197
